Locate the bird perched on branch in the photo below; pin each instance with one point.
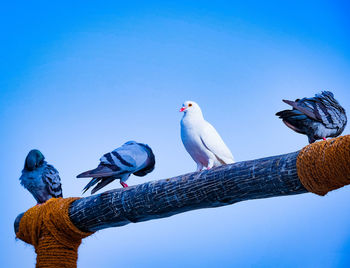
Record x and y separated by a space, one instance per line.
319 117
201 140
131 158
39 178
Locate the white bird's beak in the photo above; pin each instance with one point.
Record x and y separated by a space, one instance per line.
183 109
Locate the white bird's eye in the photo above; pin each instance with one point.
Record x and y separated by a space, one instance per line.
190 105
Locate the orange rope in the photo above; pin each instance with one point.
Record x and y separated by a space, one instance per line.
48 228
324 166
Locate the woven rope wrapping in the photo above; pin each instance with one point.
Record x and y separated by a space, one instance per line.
324 166
48 228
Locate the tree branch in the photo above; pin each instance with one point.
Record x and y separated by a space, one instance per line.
228 184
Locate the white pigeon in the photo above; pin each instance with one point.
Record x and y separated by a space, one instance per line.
201 140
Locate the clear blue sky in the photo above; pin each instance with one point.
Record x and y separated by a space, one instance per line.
78 80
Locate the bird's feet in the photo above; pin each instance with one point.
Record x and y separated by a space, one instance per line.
210 164
124 184
199 167
324 138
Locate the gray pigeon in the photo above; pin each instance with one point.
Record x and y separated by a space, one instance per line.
318 117
39 178
131 158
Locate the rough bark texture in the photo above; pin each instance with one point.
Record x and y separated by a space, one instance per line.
262 178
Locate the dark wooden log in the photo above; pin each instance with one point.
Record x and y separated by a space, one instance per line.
262 178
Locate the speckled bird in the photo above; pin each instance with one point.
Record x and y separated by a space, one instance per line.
39 178
131 158
319 117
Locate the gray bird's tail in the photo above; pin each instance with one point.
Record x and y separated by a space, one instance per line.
102 182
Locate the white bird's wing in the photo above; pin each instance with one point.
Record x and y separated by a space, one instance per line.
214 143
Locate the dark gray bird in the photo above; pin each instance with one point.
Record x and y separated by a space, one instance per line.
131 158
319 117
39 178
